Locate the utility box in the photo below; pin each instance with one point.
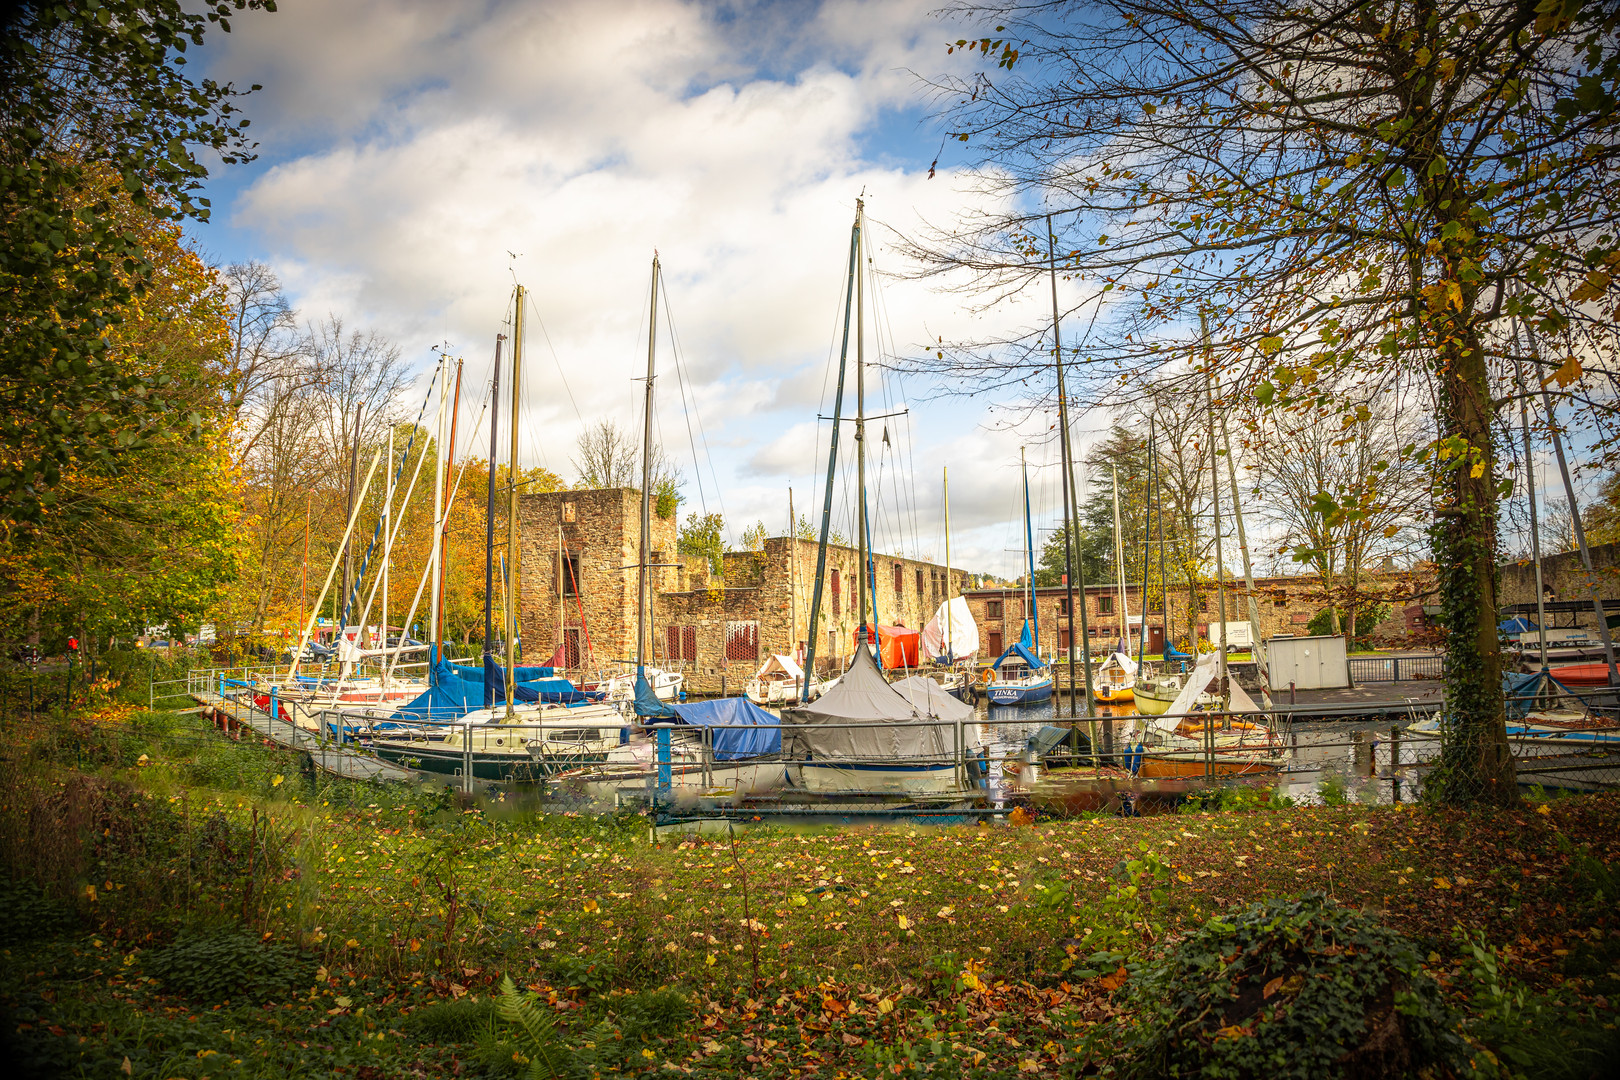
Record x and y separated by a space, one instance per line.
1309 663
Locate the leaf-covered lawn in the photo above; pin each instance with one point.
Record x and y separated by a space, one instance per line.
957 951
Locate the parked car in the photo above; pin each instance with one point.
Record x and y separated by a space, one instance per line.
314 653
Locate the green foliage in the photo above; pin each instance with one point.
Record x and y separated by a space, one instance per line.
753 537
30 914
703 534
230 964
1529 1034
654 1012
1114 929
533 1032
1237 798
461 1020
98 104
1289 988
1323 623
1333 791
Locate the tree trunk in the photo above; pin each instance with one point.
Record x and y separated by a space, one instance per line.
1476 766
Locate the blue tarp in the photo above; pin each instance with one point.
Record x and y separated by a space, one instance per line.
1522 690
1173 653
1019 649
453 694
741 728
1516 625
646 703
524 674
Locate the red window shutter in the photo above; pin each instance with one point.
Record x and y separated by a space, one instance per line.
689 642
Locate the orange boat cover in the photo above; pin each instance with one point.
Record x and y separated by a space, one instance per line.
1582 674
899 646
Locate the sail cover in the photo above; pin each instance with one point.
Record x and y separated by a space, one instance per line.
646 702
776 663
1204 677
873 710
453 694
741 728
931 698
1018 652
961 642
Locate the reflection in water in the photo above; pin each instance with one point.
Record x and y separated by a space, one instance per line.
1318 750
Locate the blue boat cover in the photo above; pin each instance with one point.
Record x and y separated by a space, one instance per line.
1021 649
1173 653
1024 639
1521 691
1516 625
741 728
452 694
646 703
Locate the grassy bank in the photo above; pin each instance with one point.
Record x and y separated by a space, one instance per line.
197 906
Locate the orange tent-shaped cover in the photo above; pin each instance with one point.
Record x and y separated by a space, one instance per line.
898 646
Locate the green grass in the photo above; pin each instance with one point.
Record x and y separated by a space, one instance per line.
404 898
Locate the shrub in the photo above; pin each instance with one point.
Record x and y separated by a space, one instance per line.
229 964
31 915
1290 988
460 1021
653 1012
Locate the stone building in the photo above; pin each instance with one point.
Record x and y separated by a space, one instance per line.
1566 591
579 551
1286 606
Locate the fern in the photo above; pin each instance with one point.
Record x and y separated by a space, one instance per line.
536 1032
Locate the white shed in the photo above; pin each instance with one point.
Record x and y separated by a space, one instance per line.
1309 663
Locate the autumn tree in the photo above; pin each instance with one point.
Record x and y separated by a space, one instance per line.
1351 195
1345 498
97 110
149 536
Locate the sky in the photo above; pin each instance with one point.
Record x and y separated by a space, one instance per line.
418 158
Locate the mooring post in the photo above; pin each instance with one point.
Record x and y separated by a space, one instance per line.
1395 763
275 711
1361 753
661 735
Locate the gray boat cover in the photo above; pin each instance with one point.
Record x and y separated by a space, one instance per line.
863 698
931 698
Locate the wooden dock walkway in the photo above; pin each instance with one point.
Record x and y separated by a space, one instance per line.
341 761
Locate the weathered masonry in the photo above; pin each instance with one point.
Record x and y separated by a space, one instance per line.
578 592
1286 605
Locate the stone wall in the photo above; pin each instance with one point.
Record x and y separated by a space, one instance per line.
1285 606
1563 577
761 603
600 532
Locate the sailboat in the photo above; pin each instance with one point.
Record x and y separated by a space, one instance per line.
950 640
481 716
1115 681
864 736
1020 676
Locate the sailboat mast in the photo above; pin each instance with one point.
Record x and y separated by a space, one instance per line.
1215 508
1256 646
832 466
1119 561
511 575
444 523
1071 509
1029 560
862 547
489 527
793 580
435 552
1535 526
388 536
1147 545
646 477
950 640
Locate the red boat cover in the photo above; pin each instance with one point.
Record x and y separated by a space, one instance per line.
1582 674
900 646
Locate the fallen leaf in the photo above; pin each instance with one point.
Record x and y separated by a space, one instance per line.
1113 981
1272 987
852 1040
1441 883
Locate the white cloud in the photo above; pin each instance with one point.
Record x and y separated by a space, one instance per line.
411 145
